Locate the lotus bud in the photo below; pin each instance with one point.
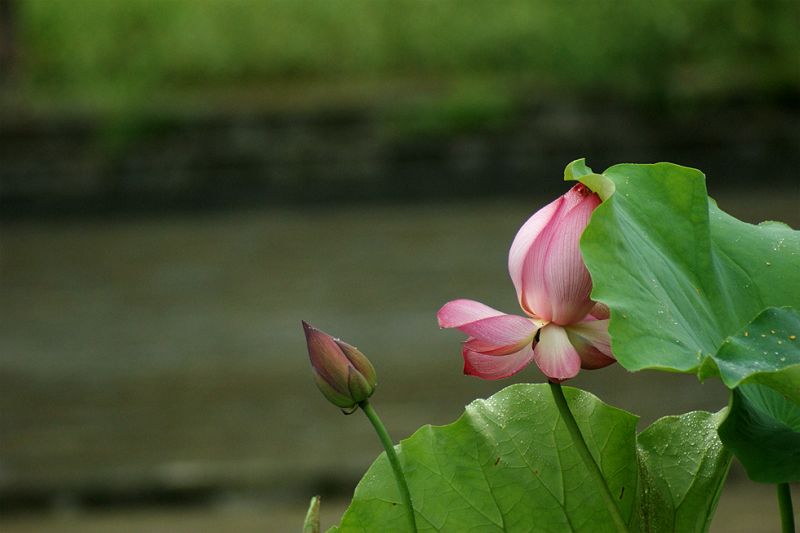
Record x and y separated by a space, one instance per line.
342 373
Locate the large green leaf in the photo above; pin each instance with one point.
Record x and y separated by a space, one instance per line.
508 464
679 274
762 364
692 289
763 430
682 469
765 351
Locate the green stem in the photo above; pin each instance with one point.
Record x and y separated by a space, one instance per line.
586 456
785 506
388 445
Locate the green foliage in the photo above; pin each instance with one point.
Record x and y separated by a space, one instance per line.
508 464
763 424
763 430
473 106
766 351
683 467
692 289
123 49
679 274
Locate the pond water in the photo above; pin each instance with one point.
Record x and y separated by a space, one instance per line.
164 355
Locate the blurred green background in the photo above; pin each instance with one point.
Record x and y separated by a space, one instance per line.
181 182
142 53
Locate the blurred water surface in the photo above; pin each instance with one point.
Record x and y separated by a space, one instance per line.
164 355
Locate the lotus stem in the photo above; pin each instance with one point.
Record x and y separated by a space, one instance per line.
586 456
785 506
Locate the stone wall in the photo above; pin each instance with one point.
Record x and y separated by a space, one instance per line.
80 164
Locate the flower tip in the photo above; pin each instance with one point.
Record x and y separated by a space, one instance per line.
444 315
312 331
308 330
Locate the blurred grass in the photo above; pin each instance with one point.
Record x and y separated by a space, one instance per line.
130 55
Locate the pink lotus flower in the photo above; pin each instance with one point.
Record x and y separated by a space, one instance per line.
563 330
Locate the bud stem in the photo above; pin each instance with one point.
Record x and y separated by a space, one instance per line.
586 456
311 525
388 445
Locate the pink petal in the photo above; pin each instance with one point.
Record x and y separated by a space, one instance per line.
592 358
596 332
523 241
496 366
555 280
486 348
554 354
600 311
501 331
327 359
590 339
459 312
